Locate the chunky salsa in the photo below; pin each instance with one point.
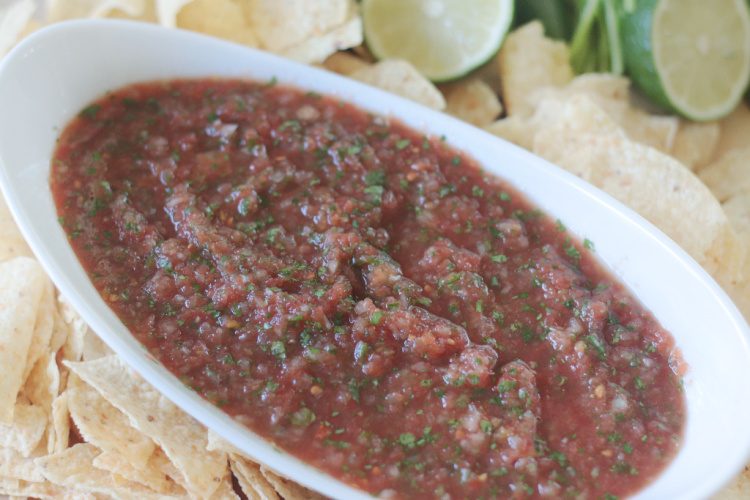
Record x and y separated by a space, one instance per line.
365 297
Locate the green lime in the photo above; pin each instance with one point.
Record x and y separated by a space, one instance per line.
690 56
443 39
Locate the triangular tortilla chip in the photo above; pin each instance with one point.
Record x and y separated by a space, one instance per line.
181 437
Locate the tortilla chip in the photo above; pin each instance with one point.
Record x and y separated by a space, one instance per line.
181 437
529 61
17 488
75 468
148 15
281 24
737 209
344 63
60 423
401 78
60 10
730 175
41 389
150 476
611 94
74 342
22 283
289 490
16 466
653 184
94 347
217 443
694 143
43 384
221 18
251 480
514 129
13 19
735 130
167 11
225 491
472 101
739 489
27 430
12 243
40 338
102 424
317 48
60 329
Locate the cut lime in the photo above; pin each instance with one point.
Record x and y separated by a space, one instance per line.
690 56
443 39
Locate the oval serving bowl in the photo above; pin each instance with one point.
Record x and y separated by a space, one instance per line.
55 72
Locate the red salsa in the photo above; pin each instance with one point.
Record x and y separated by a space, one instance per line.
365 297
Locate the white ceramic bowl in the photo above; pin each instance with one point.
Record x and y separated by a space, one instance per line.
54 73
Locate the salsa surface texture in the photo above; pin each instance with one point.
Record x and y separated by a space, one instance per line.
365 297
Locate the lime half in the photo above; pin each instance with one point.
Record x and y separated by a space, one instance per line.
443 39
690 56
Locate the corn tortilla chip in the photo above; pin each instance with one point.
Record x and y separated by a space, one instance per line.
167 11
181 437
74 342
42 388
18 488
694 143
22 283
61 10
42 334
611 94
472 101
221 18
94 347
735 130
27 430
252 481
737 209
148 15
217 443
281 24
150 476
739 489
43 383
344 63
75 468
289 490
102 424
13 19
225 491
317 48
730 175
401 78
529 61
16 466
60 423
60 330
12 243
514 129
653 184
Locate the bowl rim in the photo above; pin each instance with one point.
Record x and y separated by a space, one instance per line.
460 135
